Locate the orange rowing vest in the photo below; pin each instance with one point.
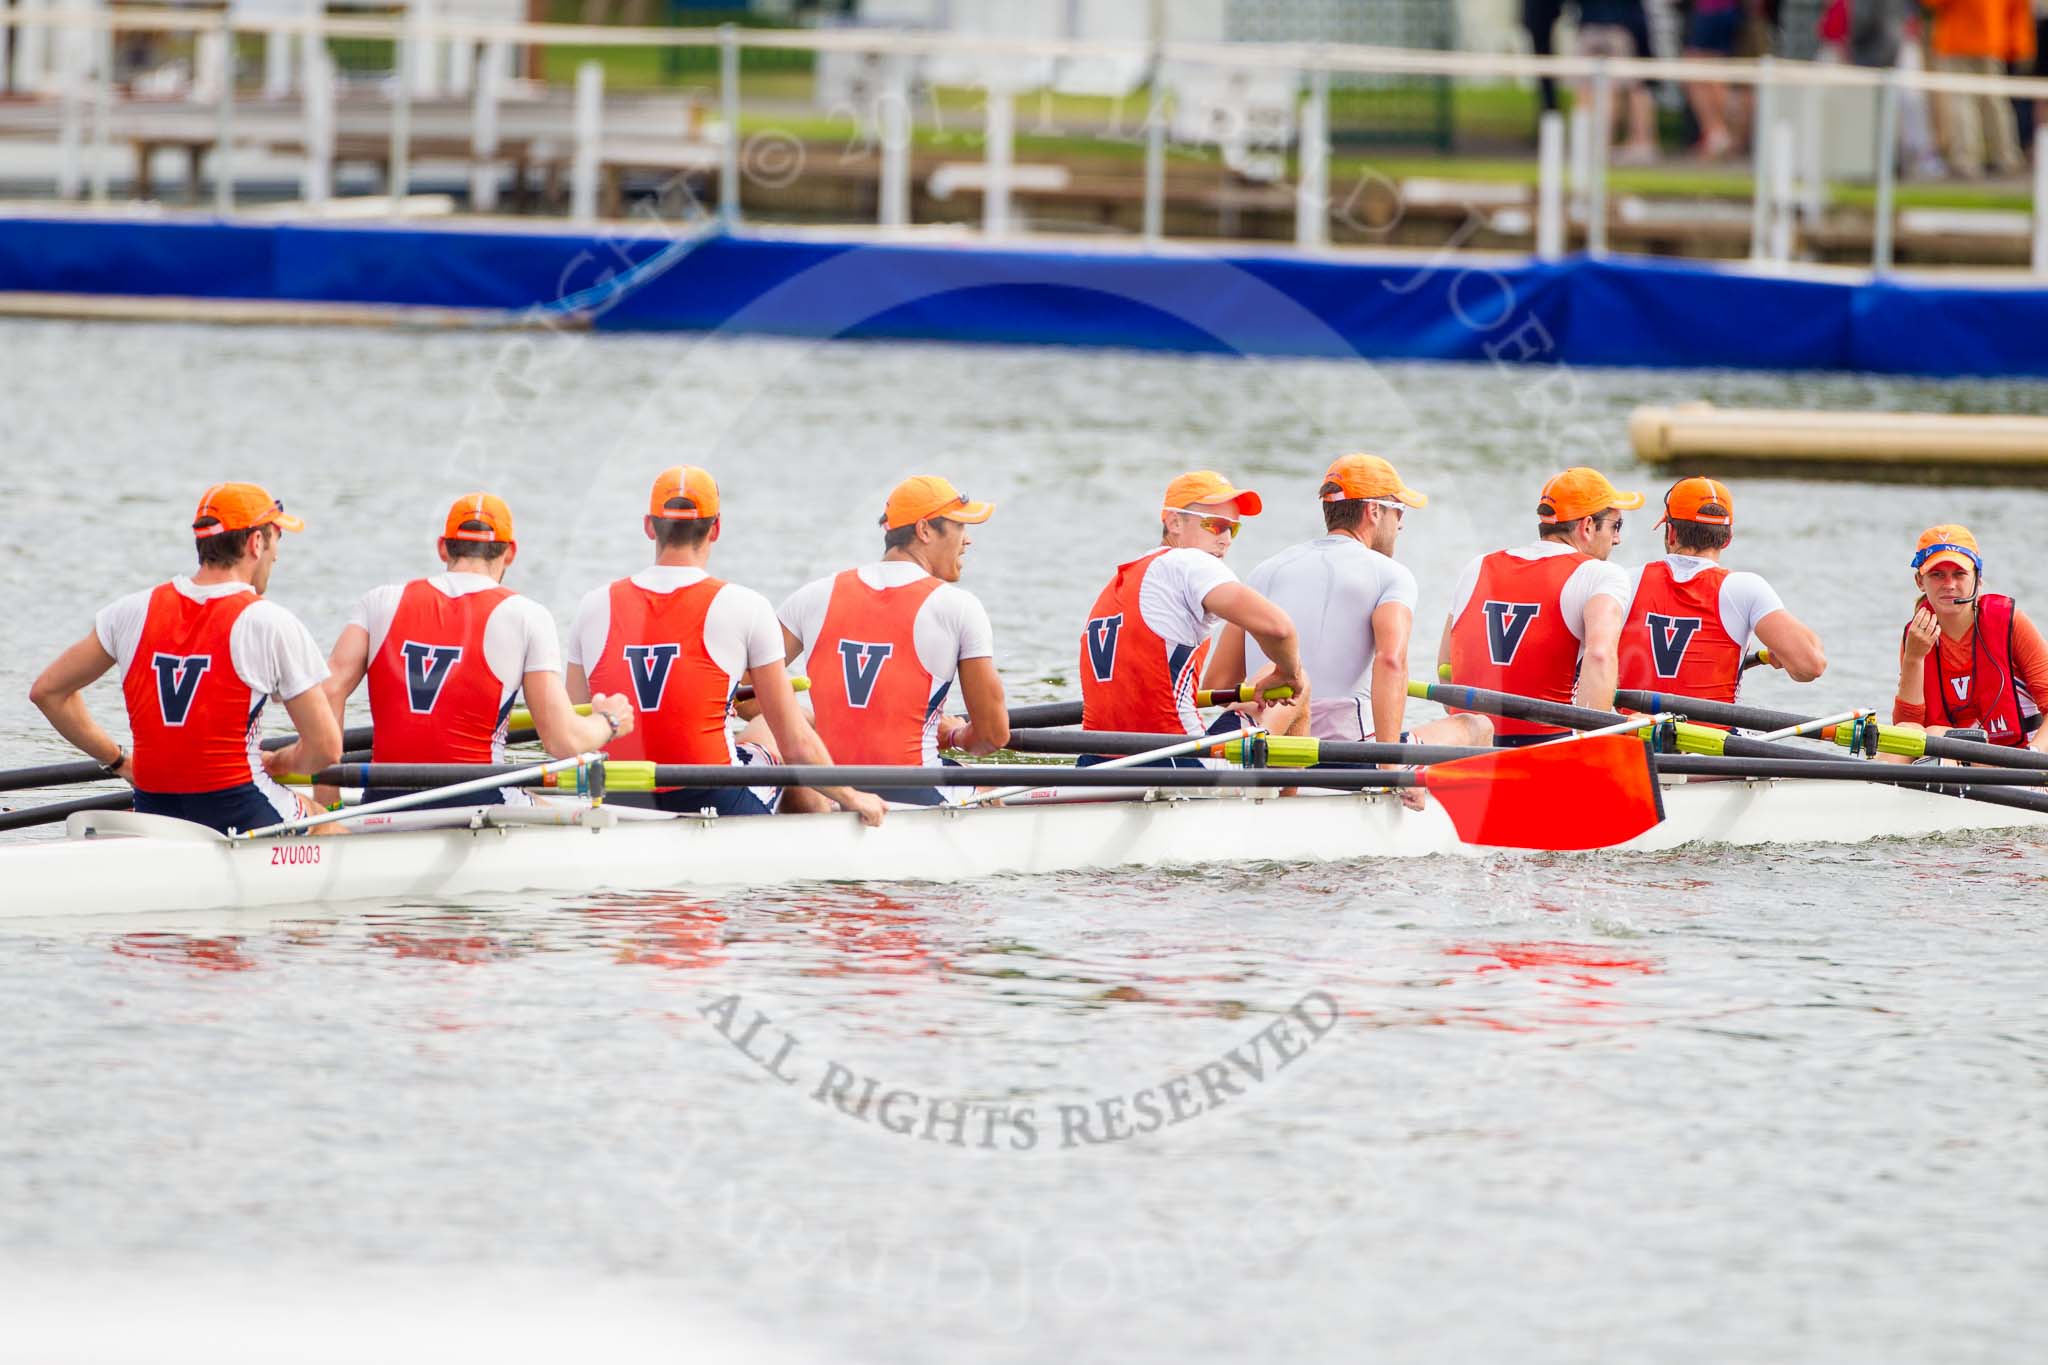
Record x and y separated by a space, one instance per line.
192 718
1511 637
1132 678
1673 640
870 695
433 697
655 656
1991 695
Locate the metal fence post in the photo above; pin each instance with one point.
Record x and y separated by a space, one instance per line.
1782 197
1312 194
2040 207
893 126
1887 172
583 170
1155 151
224 123
1760 201
1596 159
729 109
316 105
398 172
102 108
1550 235
483 132
31 47
999 154
69 170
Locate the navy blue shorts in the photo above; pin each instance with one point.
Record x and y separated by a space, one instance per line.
1525 741
915 796
490 796
1716 31
228 810
692 800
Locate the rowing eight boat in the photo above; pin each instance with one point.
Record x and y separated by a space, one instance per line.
121 862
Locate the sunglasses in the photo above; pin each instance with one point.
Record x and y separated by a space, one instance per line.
1615 523
1215 526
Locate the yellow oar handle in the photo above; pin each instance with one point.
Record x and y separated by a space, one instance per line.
522 719
1443 674
1282 751
1890 739
1223 696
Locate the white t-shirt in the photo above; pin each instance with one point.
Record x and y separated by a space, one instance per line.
1745 598
1175 586
739 629
1331 586
273 652
1594 578
951 624
519 637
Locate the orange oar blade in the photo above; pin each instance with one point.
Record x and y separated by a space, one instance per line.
1585 793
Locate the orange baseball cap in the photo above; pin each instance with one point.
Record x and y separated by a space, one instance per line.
686 484
1948 542
927 495
488 508
1581 492
229 507
1206 485
1368 476
1706 501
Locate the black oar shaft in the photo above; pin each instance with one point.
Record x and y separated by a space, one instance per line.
1116 742
880 778
50 814
85 770
1045 713
1761 718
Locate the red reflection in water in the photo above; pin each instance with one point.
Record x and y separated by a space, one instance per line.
467 950
207 954
1588 972
671 931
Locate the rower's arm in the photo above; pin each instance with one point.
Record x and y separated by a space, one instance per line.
1443 651
1226 661
576 684
1793 645
988 713
347 664
1600 653
563 733
57 694
319 742
1392 622
1268 624
799 743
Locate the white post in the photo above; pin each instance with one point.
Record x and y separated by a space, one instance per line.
398 174
224 124
426 71
6 52
1580 160
209 66
1760 203
2040 203
316 100
1312 194
1550 234
729 111
1813 199
31 50
1887 172
102 109
1782 198
999 153
1596 160
70 169
277 64
483 172
893 126
1155 153
583 170
461 65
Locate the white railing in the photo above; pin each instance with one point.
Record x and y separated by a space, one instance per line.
79 70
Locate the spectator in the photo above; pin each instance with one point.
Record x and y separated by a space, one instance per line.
1609 28
1974 37
2030 58
1539 17
1715 30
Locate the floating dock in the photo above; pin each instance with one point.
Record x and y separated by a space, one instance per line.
1893 447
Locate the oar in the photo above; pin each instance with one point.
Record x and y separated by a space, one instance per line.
58 810
1890 738
1278 751
1036 715
1756 658
519 777
1174 750
1692 738
1225 696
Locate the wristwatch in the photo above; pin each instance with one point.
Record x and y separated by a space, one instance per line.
612 721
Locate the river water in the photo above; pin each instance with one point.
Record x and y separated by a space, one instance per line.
1788 1104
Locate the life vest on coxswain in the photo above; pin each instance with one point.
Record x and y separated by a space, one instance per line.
1511 637
1673 640
1990 696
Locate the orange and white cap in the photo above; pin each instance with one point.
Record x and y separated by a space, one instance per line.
1706 501
1581 492
922 496
1948 543
229 507
1207 486
685 493
1367 476
481 517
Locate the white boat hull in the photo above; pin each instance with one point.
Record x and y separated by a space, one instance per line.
115 864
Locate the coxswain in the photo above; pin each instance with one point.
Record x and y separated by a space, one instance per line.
677 643
199 657
1543 620
1690 620
888 640
1355 609
1148 635
1970 659
446 656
